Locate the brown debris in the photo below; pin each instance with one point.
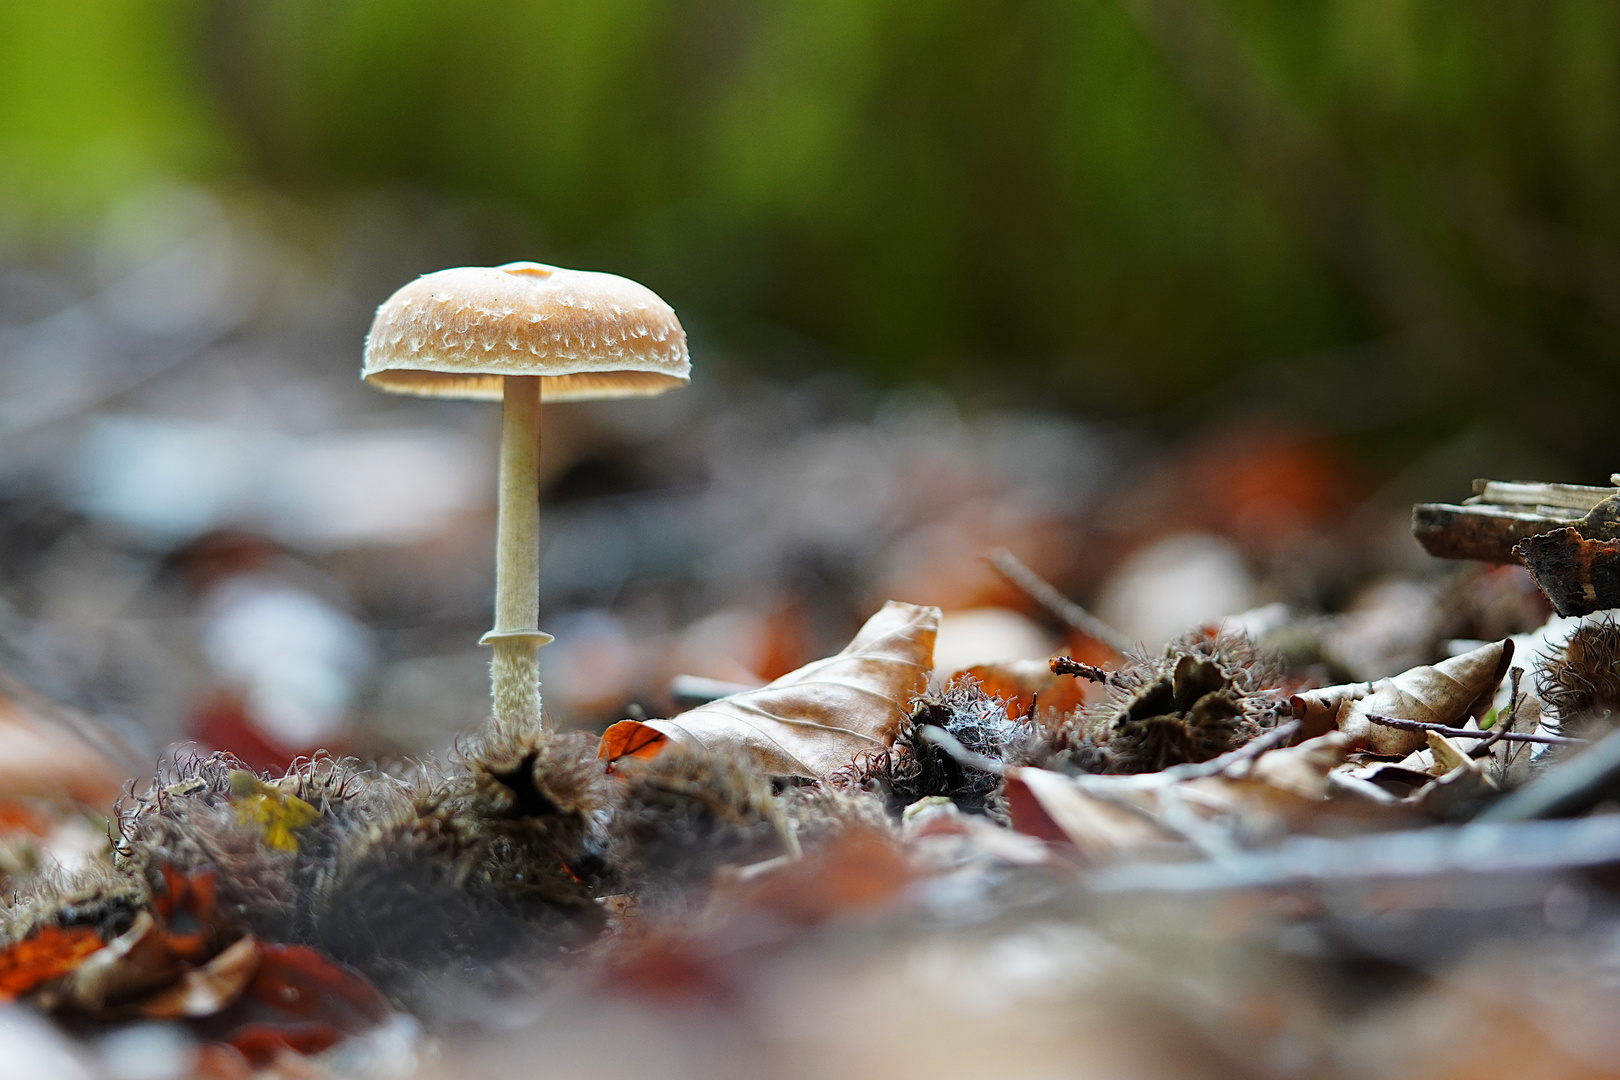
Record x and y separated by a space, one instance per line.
1578 575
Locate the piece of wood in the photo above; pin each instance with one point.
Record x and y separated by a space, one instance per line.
1564 496
1500 515
1483 533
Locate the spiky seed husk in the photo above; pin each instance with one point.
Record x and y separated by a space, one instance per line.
1205 695
1580 682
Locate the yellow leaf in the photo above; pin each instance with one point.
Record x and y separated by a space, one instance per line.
277 814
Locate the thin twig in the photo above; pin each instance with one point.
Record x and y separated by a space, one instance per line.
1463 733
1068 665
1065 610
1277 736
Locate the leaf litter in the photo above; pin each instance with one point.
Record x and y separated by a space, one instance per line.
1189 862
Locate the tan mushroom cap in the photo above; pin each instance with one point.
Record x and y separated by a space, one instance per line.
457 333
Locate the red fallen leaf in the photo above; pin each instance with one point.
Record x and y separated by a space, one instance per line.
307 983
46 954
671 968
1050 806
299 999
262 1043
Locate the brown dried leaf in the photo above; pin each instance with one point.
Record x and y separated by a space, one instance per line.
1446 693
1051 806
814 721
630 739
132 962
1281 792
206 990
1302 769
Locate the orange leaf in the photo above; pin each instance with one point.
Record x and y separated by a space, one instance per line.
814 721
47 953
1026 683
632 739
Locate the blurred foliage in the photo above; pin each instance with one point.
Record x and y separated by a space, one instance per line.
1120 203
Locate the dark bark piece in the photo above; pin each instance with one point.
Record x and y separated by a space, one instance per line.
1485 533
1578 575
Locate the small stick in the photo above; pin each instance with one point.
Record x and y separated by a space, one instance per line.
1256 746
1068 665
1065 610
1463 733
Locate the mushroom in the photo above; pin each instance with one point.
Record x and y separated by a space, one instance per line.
519 333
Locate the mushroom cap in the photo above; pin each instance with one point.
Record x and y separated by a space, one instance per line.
457 333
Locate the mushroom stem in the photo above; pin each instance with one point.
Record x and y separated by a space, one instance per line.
514 673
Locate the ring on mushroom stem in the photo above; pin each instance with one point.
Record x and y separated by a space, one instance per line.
519 333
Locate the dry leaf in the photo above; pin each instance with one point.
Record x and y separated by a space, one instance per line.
301 1000
206 990
1052 806
1302 769
630 739
133 962
813 721
1281 792
1447 693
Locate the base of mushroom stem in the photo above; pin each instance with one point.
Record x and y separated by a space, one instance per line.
514 676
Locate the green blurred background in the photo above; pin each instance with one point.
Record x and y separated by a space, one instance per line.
1395 220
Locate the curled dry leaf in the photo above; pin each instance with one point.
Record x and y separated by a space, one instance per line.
206 990
1446 693
1282 791
813 721
1051 806
134 962
1302 769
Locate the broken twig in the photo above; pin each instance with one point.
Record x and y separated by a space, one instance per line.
1068 665
1065 610
1280 735
1464 733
